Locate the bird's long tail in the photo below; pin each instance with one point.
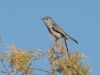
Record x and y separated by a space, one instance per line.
72 39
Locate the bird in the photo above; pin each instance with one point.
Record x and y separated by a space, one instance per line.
55 30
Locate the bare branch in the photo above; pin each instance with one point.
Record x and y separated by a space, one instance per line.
40 70
5 68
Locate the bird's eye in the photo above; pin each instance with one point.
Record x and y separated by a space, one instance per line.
47 18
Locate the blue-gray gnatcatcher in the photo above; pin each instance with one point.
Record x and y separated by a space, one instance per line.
55 30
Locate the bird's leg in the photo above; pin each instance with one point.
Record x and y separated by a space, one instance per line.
56 43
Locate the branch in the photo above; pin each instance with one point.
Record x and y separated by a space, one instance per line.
40 70
5 68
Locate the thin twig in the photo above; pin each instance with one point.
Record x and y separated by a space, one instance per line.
3 72
16 73
5 68
40 70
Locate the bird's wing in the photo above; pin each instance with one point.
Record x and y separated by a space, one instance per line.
58 29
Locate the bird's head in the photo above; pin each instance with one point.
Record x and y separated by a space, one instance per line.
47 20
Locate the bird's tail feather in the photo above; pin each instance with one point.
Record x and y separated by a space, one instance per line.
72 39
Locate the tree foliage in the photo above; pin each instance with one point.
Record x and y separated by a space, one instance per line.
61 61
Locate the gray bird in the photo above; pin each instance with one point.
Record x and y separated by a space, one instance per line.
56 30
